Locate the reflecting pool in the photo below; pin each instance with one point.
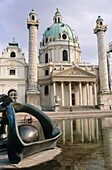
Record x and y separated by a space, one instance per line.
86 145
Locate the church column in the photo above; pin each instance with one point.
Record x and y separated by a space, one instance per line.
32 25
33 95
102 55
87 90
95 94
91 93
62 93
76 94
84 95
70 101
80 94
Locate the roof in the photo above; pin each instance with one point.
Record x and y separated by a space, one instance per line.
32 12
13 44
99 18
57 13
58 28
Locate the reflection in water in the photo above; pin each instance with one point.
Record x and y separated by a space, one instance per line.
107 141
78 130
86 145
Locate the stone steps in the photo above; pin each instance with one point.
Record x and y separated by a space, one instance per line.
78 108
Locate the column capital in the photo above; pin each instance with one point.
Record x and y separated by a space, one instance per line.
91 83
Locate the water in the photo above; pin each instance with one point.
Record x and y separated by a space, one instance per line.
86 145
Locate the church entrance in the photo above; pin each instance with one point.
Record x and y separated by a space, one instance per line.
73 99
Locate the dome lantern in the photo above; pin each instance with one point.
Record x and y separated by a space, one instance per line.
57 18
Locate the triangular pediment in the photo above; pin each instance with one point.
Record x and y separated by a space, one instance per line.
74 72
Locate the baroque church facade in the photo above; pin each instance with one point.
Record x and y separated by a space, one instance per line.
60 80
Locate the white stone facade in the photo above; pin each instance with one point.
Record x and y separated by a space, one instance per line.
13 72
60 78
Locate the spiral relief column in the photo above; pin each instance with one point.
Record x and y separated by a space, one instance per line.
102 58
33 95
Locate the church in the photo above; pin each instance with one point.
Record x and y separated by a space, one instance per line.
60 80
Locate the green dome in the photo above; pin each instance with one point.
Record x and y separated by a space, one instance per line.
58 28
32 12
57 13
99 18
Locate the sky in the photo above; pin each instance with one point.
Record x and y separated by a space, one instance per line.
80 15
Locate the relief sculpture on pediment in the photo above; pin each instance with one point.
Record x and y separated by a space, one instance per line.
76 73
12 63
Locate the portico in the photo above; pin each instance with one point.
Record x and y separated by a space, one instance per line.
75 89
76 92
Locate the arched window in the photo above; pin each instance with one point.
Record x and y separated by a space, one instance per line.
46 90
46 58
58 20
55 20
13 94
33 18
12 54
65 55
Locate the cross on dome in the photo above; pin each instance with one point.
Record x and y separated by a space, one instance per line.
57 8
13 39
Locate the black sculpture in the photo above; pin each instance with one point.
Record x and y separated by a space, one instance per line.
17 148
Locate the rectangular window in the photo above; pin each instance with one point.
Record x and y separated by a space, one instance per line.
12 72
46 72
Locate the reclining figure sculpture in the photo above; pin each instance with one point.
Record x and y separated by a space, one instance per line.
17 149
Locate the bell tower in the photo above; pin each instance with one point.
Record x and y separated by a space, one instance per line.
33 95
102 58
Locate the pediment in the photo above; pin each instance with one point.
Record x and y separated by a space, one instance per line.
75 72
12 63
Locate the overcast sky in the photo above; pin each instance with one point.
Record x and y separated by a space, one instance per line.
80 15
